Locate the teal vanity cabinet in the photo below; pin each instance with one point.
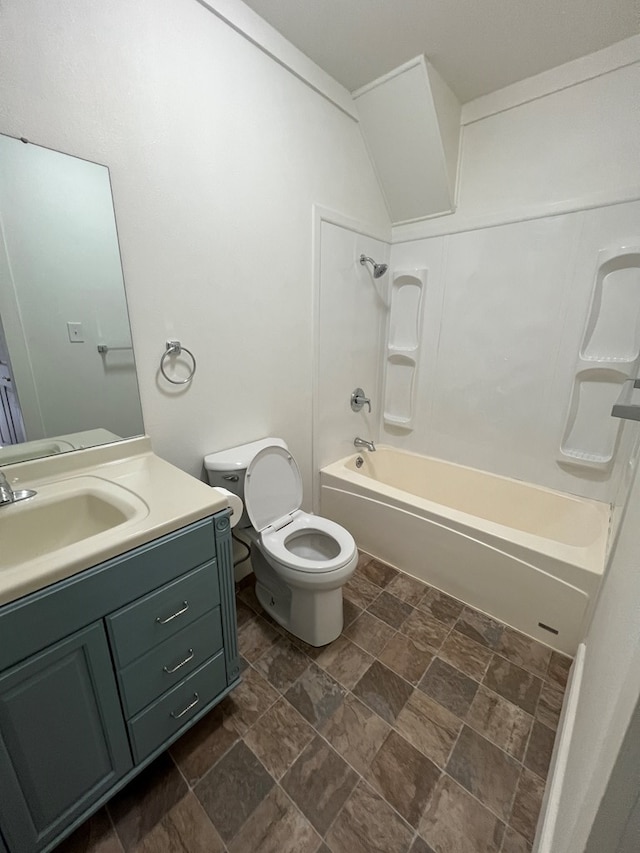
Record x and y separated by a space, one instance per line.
99 673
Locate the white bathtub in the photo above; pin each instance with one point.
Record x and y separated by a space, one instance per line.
526 555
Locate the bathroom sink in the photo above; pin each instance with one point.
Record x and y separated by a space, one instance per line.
91 506
63 514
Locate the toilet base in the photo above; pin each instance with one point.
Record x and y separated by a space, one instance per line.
276 603
314 616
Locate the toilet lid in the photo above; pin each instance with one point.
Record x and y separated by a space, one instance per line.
272 487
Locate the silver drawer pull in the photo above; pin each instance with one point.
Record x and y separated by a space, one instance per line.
190 656
185 607
193 704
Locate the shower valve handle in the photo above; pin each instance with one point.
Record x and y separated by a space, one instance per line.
358 400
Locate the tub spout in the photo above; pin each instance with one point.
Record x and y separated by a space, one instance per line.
361 442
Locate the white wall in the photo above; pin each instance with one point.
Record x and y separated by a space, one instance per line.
352 309
64 266
563 140
554 148
217 155
610 687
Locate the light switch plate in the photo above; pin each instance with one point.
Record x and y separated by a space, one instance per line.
76 335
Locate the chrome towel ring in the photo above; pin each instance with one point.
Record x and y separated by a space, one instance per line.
176 348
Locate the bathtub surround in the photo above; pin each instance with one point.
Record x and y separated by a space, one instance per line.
350 317
338 750
504 317
495 362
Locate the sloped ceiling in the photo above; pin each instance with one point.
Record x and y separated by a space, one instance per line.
478 46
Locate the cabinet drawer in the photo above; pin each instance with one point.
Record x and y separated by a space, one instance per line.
153 726
164 666
154 618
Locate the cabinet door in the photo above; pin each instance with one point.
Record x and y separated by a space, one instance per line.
62 738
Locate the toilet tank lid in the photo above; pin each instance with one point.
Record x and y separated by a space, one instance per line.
235 458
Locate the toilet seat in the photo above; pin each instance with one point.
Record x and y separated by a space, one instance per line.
272 487
273 494
276 542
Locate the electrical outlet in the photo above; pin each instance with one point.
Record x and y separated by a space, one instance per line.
76 335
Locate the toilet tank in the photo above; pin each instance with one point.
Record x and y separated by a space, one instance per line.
227 468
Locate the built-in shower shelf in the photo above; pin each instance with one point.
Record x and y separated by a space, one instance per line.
590 433
395 420
608 358
399 392
410 351
405 317
403 347
601 358
613 329
584 456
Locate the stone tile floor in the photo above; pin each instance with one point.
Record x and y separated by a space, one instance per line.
427 727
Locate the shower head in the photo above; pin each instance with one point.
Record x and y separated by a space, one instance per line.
378 269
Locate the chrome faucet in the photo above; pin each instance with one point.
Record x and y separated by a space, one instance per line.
11 496
358 400
361 442
6 492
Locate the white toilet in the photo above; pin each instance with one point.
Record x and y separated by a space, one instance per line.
301 561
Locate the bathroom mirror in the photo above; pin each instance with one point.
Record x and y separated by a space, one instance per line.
67 371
